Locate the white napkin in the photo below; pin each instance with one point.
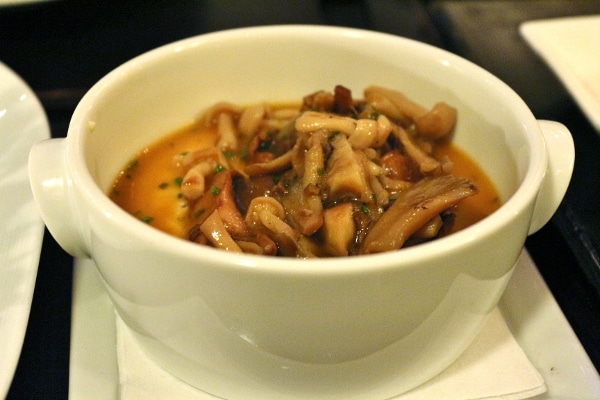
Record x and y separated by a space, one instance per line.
494 367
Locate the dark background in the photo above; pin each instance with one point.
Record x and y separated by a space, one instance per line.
62 47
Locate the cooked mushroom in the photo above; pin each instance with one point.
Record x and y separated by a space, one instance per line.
193 184
251 119
433 124
212 114
362 133
430 229
321 100
438 122
346 176
227 132
302 193
278 164
216 233
265 214
312 121
393 103
426 163
339 229
339 177
371 133
414 208
219 197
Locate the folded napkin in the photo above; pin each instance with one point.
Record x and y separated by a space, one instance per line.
493 367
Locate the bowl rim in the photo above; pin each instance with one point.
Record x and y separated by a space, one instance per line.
402 258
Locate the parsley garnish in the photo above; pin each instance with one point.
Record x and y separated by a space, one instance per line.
215 190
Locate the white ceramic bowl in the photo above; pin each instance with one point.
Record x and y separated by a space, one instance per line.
242 326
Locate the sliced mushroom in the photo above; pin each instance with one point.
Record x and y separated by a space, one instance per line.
364 135
430 229
438 122
189 159
426 163
302 194
225 203
414 208
251 119
265 214
227 132
258 244
394 186
337 183
216 233
278 164
399 167
220 197
194 181
393 103
343 102
434 123
339 228
212 114
321 100
312 121
346 176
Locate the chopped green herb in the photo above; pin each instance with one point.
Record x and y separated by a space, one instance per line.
132 164
228 154
244 153
333 134
163 185
364 209
148 219
219 168
179 181
198 213
321 171
264 145
214 190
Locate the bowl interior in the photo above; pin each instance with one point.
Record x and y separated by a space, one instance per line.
167 88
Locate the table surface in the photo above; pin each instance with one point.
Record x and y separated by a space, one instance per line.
62 47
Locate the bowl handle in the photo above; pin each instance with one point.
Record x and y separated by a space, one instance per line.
52 189
561 158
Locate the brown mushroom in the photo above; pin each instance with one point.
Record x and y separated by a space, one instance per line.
339 228
414 208
265 214
216 233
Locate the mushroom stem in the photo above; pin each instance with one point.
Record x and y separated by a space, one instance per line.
216 233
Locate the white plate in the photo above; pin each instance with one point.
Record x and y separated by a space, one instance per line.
22 123
528 307
570 47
